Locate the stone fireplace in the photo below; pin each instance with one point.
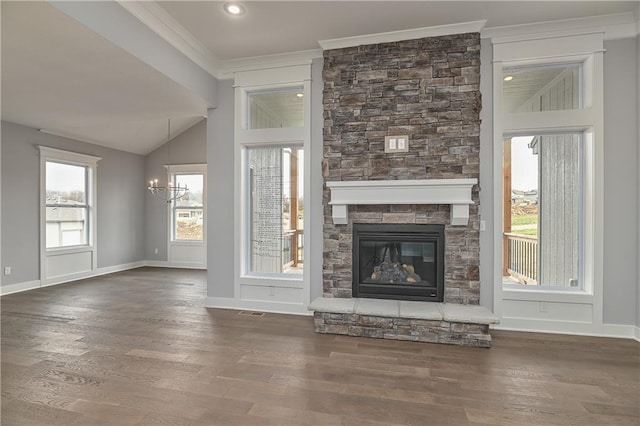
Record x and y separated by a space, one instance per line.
426 90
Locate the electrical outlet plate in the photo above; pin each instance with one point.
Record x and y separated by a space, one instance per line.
7 270
398 143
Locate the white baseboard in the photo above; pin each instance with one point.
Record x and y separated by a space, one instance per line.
30 285
575 329
119 268
620 330
256 305
167 264
18 287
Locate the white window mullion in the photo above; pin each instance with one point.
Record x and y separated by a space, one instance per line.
547 121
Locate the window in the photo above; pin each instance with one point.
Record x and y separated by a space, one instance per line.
188 211
542 182
548 182
271 186
269 109
542 195
276 209
548 119
66 205
551 87
68 190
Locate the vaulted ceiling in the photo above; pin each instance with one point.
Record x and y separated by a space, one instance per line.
64 70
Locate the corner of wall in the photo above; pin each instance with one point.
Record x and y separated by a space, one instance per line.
486 175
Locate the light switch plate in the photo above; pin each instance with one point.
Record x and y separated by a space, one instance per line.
402 143
396 143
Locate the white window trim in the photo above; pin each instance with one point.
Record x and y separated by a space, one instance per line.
76 159
586 48
275 78
171 243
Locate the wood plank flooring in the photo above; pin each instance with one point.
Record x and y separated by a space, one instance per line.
139 348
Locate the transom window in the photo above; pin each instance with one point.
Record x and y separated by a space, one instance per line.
551 87
275 108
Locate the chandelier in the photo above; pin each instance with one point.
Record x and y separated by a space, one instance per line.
170 192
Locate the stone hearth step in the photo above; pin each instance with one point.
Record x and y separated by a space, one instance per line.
466 325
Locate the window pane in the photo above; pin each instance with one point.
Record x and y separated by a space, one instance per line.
543 187
276 108
193 198
188 211
542 88
66 226
66 184
189 224
276 216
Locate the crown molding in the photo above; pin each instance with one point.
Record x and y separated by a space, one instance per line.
151 14
389 37
231 66
615 26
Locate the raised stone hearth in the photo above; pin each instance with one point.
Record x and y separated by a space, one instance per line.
463 325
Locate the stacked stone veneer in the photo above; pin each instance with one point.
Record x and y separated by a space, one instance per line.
428 89
395 328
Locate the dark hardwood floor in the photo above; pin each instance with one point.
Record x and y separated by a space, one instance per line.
138 347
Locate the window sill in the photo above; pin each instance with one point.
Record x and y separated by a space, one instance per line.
545 295
187 243
280 280
68 250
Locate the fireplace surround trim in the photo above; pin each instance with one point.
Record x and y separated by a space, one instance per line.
455 192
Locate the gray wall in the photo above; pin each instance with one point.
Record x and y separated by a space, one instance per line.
120 181
189 147
20 203
620 165
638 173
220 203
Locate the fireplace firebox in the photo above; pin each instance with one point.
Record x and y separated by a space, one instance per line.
398 261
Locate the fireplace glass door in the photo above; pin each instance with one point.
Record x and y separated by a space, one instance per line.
398 261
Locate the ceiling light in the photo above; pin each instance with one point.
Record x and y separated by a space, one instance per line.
300 95
233 9
508 78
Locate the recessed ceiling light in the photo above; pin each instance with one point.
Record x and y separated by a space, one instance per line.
508 78
300 95
233 9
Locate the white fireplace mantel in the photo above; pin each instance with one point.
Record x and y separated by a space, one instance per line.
456 192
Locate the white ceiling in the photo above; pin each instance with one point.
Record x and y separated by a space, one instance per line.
60 76
270 27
